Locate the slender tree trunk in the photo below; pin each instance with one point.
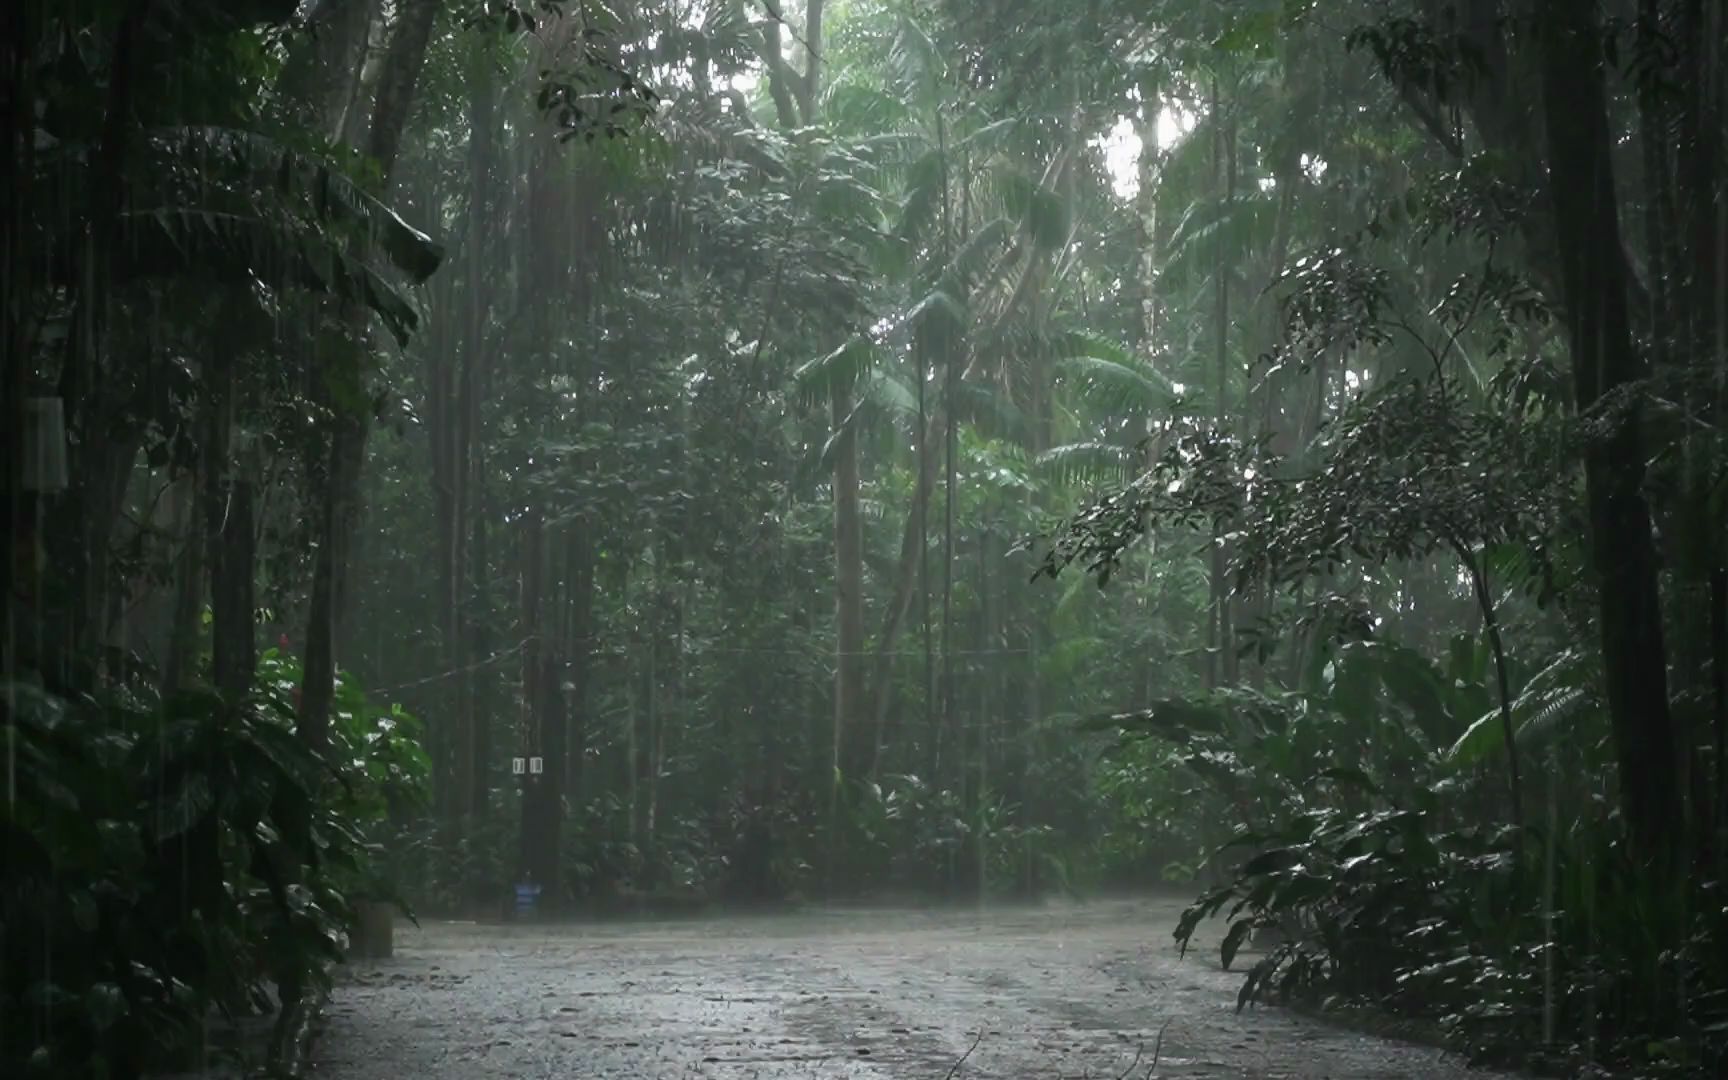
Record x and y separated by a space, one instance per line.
188 587
1147 167
987 701
229 538
453 361
478 688
1221 651
448 718
543 697
848 592
652 738
907 577
950 452
1502 678
579 650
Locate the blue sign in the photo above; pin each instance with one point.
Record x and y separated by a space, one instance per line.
527 897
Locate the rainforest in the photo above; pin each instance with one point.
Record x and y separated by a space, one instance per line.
864 538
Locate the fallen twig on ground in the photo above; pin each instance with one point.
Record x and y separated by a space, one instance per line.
954 1069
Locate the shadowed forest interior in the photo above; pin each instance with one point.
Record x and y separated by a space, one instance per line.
559 458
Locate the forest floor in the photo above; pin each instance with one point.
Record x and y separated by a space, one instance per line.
1071 990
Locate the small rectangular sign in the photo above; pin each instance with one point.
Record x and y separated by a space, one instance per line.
536 765
518 765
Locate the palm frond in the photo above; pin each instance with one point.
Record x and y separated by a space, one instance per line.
916 64
1111 378
966 267
983 407
1242 224
1549 705
923 196
1092 464
889 394
839 370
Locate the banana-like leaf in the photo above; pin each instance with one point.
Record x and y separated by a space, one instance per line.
304 183
1479 741
231 247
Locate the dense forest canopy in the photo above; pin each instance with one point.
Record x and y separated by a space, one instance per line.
758 450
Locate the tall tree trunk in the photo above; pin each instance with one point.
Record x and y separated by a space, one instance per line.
323 68
849 702
337 519
1702 175
543 696
447 721
950 465
453 362
1595 287
647 762
466 526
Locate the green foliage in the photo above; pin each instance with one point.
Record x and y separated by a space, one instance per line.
1385 907
903 836
1378 722
384 770
162 862
172 845
610 510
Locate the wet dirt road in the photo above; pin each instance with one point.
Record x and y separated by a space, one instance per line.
1064 991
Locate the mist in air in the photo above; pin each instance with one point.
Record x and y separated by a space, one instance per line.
864 538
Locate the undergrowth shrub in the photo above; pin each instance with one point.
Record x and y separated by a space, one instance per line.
1373 849
169 858
1463 927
